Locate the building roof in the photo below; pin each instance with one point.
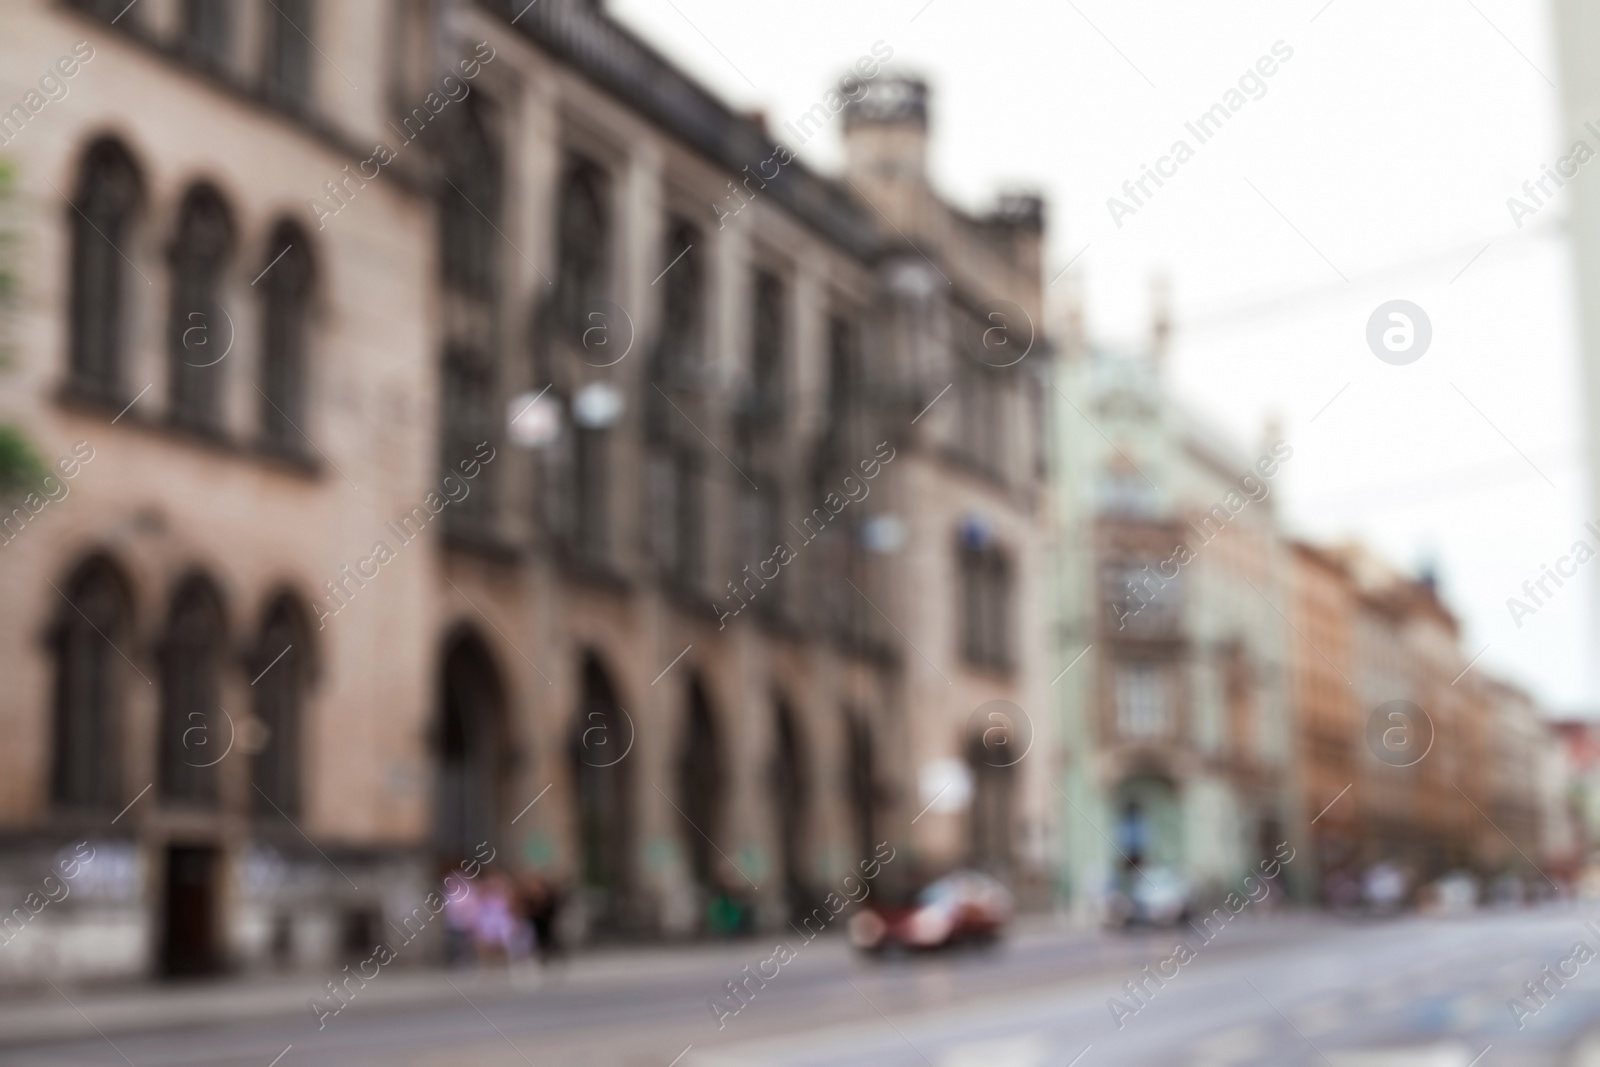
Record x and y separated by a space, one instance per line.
581 34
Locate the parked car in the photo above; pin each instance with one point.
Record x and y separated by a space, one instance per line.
963 906
1152 896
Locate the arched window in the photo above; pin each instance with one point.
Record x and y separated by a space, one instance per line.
700 787
89 678
470 202
199 331
285 308
470 748
106 203
195 729
280 667
583 241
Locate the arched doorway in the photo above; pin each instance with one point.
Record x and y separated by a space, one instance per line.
700 789
1149 824
193 741
602 737
789 801
469 747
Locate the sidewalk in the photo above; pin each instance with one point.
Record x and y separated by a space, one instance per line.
70 1012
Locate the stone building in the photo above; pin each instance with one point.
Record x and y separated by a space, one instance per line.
481 437
1174 686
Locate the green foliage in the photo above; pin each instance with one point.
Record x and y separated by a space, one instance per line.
20 466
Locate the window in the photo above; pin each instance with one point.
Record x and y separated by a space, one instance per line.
985 580
760 533
279 666
106 202
208 30
88 688
1139 599
468 417
471 201
1121 490
592 495
1143 708
194 727
980 419
583 242
765 406
287 74
843 369
285 297
198 329
675 502
683 303
1239 689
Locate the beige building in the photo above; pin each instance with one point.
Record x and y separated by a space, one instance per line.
1406 755
487 436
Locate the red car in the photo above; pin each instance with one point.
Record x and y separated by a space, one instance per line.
964 906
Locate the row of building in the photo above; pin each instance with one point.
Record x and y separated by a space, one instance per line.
484 440
1241 688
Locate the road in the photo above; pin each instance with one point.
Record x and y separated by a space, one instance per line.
1412 992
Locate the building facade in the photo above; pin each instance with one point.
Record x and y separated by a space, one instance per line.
484 442
1174 689
1410 755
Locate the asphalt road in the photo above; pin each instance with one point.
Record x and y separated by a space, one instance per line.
1412 992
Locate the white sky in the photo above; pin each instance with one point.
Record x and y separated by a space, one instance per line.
1391 141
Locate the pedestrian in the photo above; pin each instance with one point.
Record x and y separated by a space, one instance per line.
541 904
460 924
495 931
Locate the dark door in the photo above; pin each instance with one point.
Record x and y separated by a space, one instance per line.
700 790
470 752
789 802
191 906
602 736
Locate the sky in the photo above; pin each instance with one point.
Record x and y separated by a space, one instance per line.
1374 164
